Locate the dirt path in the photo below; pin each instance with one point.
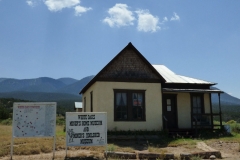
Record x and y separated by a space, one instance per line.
204 147
59 155
229 151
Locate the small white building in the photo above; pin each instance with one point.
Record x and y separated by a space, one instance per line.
140 96
78 106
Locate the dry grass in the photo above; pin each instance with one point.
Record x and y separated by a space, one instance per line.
42 147
25 146
5 139
116 148
157 150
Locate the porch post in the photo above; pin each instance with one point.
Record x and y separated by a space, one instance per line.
210 97
220 111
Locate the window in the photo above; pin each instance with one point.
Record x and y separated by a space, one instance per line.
197 105
129 105
91 101
84 104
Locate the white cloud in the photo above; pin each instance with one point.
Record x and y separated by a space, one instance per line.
79 10
31 3
175 17
119 16
165 19
57 5
147 22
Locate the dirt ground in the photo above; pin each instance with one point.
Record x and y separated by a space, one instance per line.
229 151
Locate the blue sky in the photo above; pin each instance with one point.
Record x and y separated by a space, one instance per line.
73 38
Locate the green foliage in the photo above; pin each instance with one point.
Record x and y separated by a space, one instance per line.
111 148
235 128
6 105
4 113
62 108
60 121
134 132
196 158
231 122
6 121
229 112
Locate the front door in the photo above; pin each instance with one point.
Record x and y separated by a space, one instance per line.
170 111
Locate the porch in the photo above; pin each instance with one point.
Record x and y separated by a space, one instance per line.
200 110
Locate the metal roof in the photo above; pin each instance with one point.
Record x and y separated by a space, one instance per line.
192 90
171 77
78 104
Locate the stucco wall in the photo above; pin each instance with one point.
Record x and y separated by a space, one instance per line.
103 101
87 95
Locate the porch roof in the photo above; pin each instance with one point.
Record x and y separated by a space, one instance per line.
192 90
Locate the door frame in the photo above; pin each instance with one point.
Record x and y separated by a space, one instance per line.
164 105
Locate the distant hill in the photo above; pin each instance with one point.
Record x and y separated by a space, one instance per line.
67 89
76 87
43 89
41 96
226 99
67 81
2 79
43 84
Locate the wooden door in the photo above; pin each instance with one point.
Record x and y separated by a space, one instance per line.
170 111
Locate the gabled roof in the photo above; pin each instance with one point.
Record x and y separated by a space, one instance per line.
148 72
117 70
171 77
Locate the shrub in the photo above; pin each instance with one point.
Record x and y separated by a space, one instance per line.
4 113
231 122
235 128
111 148
7 121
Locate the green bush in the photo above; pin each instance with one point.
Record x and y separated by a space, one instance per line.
231 122
235 128
7 121
60 121
4 113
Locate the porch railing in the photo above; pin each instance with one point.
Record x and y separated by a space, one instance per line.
206 121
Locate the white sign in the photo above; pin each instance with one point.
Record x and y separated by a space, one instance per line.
34 119
86 129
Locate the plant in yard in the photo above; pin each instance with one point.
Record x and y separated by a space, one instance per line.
231 122
111 148
196 158
235 128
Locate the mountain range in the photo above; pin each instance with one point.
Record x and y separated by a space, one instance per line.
64 89
43 88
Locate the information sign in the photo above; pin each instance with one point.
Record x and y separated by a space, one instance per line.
86 129
34 119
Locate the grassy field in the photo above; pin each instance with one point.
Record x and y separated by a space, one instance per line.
33 146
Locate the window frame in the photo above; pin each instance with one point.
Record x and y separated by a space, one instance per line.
197 114
201 101
130 105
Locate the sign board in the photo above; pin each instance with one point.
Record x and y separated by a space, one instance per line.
34 119
86 128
